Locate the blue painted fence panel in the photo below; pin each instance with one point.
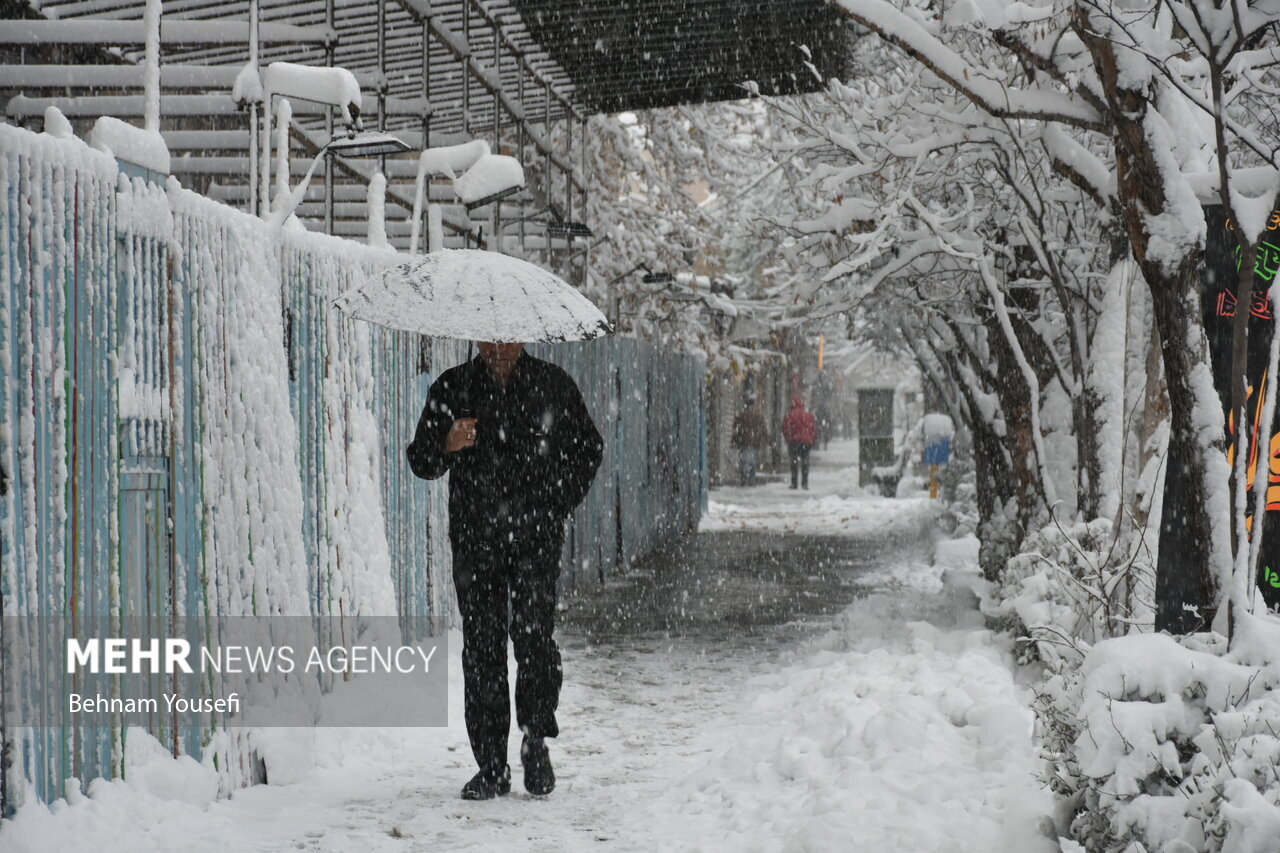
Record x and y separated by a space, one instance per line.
117 327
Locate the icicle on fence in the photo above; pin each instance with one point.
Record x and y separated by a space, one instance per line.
190 434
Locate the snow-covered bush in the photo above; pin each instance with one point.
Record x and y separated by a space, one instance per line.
1157 744
959 518
1071 587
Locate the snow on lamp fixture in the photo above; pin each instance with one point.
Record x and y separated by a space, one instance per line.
491 198
492 177
370 143
485 178
334 86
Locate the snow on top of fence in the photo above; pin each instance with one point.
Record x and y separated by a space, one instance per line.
56 124
68 151
125 142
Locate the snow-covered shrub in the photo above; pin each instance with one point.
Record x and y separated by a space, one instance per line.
959 517
1071 587
1157 744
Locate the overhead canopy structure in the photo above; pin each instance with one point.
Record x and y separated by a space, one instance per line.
523 74
637 54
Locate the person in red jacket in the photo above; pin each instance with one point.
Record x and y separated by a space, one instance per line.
800 429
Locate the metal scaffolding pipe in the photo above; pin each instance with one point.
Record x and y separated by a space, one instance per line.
382 76
253 112
466 59
330 59
497 69
461 48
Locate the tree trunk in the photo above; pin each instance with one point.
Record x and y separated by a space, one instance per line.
1186 594
1186 587
1015 403
1000 530
1000 527
1084 418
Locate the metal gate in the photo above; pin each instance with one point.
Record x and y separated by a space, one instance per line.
147 570
875 431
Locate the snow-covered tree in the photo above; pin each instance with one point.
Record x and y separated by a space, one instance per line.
989 266
681 192
1123 101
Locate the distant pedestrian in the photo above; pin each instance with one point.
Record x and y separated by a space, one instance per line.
800 429
749 436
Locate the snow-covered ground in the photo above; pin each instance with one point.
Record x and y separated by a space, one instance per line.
898 730
833 505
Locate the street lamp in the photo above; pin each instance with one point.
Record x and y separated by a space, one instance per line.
568 230
335 87
485 178
372 143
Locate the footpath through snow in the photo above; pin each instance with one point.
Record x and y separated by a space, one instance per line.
897 727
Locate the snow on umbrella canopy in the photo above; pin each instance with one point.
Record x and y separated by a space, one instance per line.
476 295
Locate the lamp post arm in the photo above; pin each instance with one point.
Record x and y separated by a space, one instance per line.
447 160
451 160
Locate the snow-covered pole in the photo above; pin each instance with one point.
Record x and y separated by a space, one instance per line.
264 200
284 116
253 109
377 233
151 110
435 220
330 59
264 181
435 228
416 216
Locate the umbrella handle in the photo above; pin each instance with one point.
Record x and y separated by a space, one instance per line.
468 409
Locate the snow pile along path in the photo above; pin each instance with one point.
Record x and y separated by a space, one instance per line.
902 730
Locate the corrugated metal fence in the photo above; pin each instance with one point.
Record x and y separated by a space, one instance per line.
189 433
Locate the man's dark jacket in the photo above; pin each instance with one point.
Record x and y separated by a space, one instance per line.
536 452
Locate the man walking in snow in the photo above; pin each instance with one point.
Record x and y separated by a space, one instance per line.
800 429
522 451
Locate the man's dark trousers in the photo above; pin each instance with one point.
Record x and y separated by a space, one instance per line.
486 578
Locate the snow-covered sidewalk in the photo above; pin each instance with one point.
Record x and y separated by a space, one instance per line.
900 730
833 505
897 729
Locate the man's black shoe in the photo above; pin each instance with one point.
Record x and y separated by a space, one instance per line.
539 778
486 785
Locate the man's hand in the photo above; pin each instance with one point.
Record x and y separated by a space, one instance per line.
461 434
